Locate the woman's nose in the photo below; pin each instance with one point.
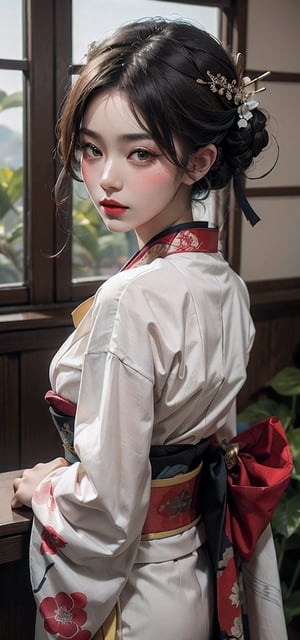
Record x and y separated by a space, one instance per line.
110 179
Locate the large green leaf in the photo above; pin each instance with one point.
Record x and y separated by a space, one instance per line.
11 188
15 185
88 209
5 176
294 442
286 518
11 101
286 382
16 234
5 203
264 409
84 234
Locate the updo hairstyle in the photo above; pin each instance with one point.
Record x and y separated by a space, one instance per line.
156 63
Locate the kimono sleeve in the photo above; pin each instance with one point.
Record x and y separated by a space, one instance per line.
89 516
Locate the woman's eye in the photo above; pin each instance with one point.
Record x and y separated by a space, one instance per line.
142 155
90 150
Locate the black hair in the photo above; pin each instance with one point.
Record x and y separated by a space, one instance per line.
156 63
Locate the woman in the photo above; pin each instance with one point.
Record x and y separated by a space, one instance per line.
158 117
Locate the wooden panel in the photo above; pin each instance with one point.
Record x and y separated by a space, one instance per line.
12 549
29 339
273 349
27 434
39 438
17 608
284 338
258 367
9 407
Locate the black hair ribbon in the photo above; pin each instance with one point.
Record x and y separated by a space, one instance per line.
250 214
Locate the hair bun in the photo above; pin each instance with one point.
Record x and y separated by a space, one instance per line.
241 145
238 149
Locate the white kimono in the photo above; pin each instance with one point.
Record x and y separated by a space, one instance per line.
159 358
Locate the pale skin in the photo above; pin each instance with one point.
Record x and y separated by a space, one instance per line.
25 485
121 163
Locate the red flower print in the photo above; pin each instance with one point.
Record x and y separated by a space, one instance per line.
51 540
44 495
81 635
64 615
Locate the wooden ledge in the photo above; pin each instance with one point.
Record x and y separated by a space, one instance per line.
36 319
12 522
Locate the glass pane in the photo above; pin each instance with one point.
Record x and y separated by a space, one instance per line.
96 251
11 45
91 23
11 178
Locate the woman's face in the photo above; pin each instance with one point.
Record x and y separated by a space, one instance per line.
131 183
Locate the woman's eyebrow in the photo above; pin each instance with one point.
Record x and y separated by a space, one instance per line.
124 137
136 136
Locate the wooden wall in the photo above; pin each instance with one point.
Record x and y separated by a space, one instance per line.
27 343
276 313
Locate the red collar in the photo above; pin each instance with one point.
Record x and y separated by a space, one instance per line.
188 237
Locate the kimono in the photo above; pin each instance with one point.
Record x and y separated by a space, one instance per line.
158 359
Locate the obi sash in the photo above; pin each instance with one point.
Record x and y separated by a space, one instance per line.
174 501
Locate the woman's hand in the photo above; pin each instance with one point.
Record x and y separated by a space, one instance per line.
25 485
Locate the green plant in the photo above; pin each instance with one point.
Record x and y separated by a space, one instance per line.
11 224
9 101
95 249
281 397
11 209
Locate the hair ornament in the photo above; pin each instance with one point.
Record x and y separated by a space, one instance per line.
246 106
236 92
245 205
241 94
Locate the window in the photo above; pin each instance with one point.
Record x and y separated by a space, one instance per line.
13 69
27 176
42 44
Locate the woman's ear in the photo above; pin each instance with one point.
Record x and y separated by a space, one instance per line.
200 163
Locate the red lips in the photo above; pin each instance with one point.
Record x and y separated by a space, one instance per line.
112 207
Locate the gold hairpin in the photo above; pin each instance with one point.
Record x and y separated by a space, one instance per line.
261 77
236 91
231 90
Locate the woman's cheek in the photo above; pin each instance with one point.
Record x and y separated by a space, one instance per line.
85 170
155 180
91 181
